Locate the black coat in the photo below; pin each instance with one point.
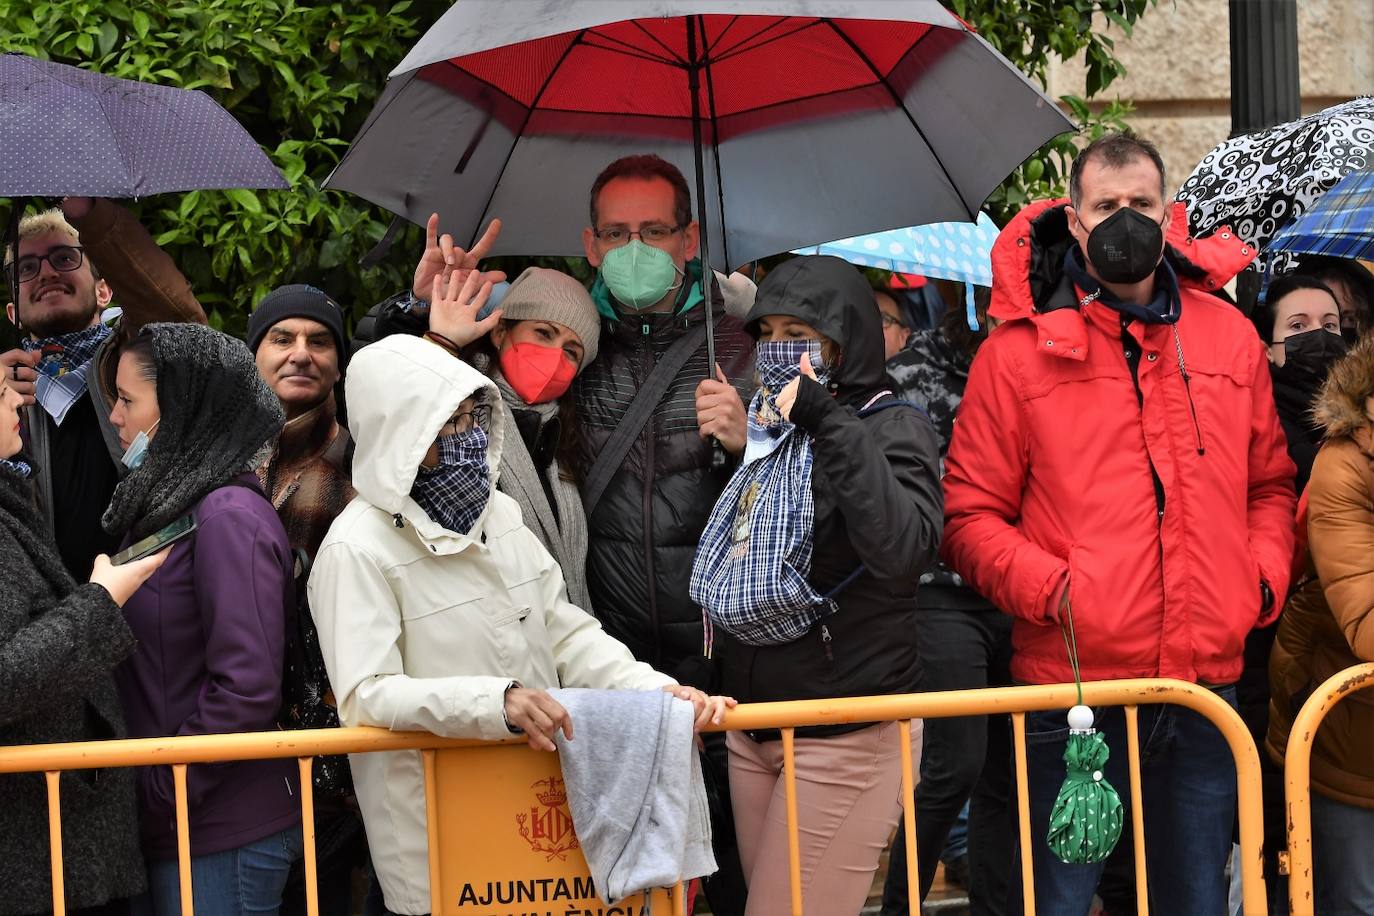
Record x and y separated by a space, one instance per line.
58 644
876 482
643 534
1295 391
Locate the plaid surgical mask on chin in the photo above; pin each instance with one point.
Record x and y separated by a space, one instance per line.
455 492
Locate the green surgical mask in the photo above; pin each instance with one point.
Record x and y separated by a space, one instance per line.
639 275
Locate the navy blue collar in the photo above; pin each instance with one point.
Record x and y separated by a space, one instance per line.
1164 308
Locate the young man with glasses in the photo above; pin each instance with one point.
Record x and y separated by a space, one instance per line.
64 367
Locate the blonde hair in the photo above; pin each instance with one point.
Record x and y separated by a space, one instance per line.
49 222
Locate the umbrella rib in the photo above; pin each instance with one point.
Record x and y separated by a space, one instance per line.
656 40
630 50
744 47
128 167
529 113
725 31
901 105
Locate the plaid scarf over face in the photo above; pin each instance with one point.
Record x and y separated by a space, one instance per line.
752 563
455 493
64 360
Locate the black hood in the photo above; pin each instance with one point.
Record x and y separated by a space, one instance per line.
833 297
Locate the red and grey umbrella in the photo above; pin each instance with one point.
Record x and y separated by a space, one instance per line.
802 120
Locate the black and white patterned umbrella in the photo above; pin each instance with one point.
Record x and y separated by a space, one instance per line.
1260 182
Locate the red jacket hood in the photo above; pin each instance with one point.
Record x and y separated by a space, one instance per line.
1027 258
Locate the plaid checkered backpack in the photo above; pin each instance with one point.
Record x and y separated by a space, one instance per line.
750 574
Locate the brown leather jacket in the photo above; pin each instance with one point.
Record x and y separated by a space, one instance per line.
1328 623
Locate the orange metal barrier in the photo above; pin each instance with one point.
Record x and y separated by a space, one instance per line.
1016 701
1296 861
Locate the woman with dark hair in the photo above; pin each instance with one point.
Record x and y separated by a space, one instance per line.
59 642
1300 321
194 415
808 570
1351 284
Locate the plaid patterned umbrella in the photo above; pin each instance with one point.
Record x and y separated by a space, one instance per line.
1339 225
1260 182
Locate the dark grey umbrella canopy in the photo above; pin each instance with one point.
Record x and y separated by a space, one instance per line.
821 119
66 131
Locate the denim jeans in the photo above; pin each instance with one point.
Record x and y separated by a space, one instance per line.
236 882
1341 875
1188 785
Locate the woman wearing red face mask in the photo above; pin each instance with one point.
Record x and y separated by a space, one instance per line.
547 334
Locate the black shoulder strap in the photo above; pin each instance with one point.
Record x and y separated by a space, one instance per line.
641 408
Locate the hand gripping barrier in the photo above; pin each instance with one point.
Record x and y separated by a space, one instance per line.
437 755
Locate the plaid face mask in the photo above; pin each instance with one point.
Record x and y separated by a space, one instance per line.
779 361
455 493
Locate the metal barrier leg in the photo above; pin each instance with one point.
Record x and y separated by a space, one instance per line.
436 896
1018 729
183 839
1142 882
913 878
59 891
789 777
312 887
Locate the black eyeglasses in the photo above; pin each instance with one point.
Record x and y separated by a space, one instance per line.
652 234
891 322
464 421
63 258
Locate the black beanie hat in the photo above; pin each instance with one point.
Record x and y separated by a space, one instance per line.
299 300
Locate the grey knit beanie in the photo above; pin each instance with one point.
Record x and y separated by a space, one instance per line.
541 294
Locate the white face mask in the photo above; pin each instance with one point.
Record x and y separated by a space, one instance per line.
138 449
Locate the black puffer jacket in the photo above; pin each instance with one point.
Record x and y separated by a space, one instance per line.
59 643
876 482
644 532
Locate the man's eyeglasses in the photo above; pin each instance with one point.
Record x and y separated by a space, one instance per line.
63 258
464 421
890 321
653 234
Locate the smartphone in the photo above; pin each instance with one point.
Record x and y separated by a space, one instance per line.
155 541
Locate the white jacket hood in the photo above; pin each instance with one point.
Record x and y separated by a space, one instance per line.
401 391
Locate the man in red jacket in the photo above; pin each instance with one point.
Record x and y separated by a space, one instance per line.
1117 466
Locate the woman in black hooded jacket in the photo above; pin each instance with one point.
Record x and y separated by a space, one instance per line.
877 519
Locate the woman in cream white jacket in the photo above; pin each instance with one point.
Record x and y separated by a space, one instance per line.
438 610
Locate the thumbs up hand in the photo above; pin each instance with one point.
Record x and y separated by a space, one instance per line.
788 396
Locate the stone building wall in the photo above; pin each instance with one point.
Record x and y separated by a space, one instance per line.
1179 70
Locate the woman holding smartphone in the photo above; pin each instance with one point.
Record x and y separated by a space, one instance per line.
59 642
193 414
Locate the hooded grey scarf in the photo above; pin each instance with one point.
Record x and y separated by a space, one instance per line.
217 416
564 534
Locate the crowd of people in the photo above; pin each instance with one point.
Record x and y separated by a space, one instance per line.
433 525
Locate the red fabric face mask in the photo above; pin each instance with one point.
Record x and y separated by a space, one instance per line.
537 373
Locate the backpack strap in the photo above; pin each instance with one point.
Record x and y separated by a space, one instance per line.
637 416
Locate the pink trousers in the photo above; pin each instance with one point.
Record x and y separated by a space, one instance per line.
848 801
